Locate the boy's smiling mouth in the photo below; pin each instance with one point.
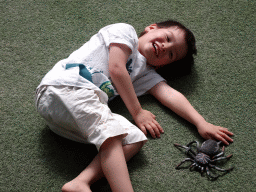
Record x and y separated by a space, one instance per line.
155 46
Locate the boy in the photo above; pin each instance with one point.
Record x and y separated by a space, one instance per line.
73 96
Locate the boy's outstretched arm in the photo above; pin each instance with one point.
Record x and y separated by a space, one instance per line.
145 120
177 102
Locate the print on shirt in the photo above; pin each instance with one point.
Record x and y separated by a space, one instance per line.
128 66
105 87
83 71
96 77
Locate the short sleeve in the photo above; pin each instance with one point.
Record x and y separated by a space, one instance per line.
146 81
120 33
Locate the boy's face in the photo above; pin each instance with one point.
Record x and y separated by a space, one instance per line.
161 46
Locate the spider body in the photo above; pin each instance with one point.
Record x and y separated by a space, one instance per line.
202 159
206 155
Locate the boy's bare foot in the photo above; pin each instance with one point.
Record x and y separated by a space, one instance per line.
76 186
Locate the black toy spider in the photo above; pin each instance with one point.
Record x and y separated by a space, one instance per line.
207 154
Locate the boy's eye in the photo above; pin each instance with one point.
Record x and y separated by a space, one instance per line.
168 39
170 55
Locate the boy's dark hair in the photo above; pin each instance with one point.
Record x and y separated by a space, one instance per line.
183 66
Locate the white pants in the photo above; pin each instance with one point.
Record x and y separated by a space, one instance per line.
83 115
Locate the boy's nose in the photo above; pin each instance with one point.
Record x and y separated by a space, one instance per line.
166 47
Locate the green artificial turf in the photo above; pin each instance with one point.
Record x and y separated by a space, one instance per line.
36 34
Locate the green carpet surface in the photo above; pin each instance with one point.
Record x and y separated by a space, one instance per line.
36 34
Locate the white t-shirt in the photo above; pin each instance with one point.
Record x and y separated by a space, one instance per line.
88 66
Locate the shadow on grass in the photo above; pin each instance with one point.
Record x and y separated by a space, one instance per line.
67 158
185 81
204 174
181 76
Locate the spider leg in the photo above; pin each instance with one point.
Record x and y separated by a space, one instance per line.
219 169
220 154
187 159
193 165
221 158
182 146
197 146
188 149
202 170
209 174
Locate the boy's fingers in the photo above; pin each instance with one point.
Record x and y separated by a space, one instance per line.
153 115
219 138
224 138
153 128
143 129
158 126
151 131
227 138
224 141
228 132
157 131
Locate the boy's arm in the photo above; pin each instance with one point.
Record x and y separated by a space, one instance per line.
145 120
175 101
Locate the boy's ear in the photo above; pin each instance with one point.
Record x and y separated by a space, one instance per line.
150 27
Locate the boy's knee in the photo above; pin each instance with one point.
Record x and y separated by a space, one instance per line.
112 141
140 144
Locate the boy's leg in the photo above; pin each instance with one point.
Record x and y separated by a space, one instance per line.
94 171
114 166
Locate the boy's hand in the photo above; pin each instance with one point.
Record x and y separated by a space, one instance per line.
145 120
210 131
